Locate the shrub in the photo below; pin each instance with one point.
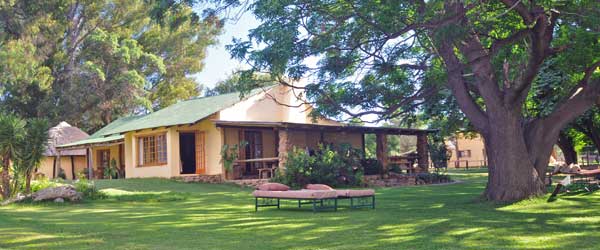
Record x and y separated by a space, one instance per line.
88 188
338 166
439 176
371 166
110 171
395 168
41 183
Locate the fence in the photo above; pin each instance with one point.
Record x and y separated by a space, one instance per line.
467 164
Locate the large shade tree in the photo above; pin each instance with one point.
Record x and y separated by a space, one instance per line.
384 59
90 62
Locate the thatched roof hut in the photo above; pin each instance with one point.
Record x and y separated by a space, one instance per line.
64 133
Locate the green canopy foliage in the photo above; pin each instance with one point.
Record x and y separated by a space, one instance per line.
90 62
379 60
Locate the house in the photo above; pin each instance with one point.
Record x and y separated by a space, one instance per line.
185 139
69 162
466 151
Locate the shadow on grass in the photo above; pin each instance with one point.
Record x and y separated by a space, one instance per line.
223 217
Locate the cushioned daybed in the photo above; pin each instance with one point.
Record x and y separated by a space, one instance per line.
321 197
358 197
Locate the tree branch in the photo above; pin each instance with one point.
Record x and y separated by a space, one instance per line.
498 44
520 8
458 86
581 98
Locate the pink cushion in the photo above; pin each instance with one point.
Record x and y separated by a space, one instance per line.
273 186
318 187
296 194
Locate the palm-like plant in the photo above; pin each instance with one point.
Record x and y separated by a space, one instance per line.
12 133
32 150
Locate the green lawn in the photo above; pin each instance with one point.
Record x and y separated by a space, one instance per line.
163 214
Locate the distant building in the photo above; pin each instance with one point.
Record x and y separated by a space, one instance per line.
71 162
466 151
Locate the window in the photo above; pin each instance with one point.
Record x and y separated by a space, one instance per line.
464 153
152 150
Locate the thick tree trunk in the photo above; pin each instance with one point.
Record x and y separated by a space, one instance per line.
28 182
565 143
5 178
512 175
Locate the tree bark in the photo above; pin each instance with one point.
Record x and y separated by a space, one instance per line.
28 182
512 175
565 143
5 177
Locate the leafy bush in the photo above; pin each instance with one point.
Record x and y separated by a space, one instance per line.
395 168
371 166
438 152
42 183
110 171
439 176
338 166
230 153
88 188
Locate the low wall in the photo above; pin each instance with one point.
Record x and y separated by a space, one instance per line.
200 178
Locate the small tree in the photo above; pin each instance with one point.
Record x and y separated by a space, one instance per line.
12 133
31 152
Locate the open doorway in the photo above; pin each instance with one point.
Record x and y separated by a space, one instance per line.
187 152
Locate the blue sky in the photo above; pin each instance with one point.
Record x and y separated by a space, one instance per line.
218 63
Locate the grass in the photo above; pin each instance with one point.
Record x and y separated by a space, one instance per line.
163 214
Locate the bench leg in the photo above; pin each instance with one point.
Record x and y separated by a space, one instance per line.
335 204
373 202
256 204
314 203
277 203
299 203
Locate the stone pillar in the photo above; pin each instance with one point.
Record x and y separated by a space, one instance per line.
381 150
422 152
89 163
284 147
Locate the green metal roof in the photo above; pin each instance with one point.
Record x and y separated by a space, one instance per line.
184 112
112 127
92 141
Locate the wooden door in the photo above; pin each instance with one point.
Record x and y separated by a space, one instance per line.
200 152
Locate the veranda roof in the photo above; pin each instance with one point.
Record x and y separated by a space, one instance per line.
325 128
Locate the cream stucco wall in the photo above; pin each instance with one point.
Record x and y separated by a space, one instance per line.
47 165
475 145
266 107
172 168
